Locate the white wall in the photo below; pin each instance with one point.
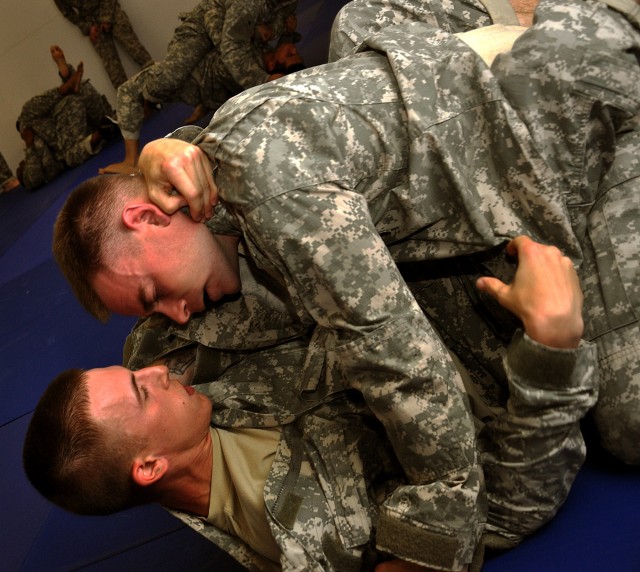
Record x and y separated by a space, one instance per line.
29 27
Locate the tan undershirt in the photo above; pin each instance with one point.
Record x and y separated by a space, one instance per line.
492 40
242 460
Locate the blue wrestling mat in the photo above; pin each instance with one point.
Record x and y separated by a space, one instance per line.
44 330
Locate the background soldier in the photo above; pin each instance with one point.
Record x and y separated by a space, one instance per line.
63 126
105 21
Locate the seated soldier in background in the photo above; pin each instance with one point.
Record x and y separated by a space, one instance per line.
104 21
62 127
206 89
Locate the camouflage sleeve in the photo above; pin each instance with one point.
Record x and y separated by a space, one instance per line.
319 239
236 44
532 450
339 270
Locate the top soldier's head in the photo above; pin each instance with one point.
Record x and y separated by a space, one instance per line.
122 254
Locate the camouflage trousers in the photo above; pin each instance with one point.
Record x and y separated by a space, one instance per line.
62 125
204 85
123 32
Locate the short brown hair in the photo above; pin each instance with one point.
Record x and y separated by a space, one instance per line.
87 227
77 463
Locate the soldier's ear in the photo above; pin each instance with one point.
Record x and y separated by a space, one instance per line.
135 215
149 470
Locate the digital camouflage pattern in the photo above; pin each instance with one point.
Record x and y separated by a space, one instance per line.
334 466
62 125
599 173
604 210
41 165
535 381
226 26
86 13
361 18
195 71
413 152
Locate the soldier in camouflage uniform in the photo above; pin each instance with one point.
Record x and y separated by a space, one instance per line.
227 26
61 128
105 21
202 89
328 193
333 466
215 53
